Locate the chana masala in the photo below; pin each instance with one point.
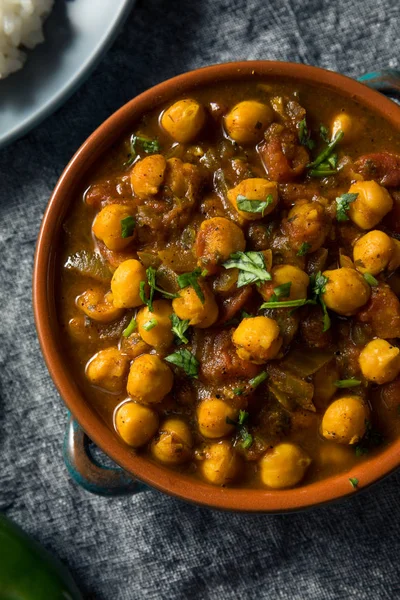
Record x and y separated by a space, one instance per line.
229 284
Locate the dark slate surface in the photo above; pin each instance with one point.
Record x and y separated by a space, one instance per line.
151 546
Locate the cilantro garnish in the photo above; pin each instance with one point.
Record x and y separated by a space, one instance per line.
251 267
281 291
287 303
238 391
130 328
179 327
342 206
324 164
186 361
254 206
148 145
127 227
304 135
255 382
191 279
353 481
240 424
324 133
150 324
347 383
318 286
304 248
151 280
370 279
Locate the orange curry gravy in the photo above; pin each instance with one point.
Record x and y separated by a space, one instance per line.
298 380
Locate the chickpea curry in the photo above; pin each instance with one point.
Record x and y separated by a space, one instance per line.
229 285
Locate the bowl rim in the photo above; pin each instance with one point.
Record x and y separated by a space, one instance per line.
157 476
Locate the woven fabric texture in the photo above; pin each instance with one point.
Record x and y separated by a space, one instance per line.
151 546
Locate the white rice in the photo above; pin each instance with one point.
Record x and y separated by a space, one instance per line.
20 26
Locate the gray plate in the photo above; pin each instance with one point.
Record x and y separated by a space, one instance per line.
77 34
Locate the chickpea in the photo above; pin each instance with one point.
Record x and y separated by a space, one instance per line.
99 306
346 291
212 415
247 121
284 466
371 205
136 424
149 379
108 369
380 361
256 189
373 252
282 274
216 240
147 175
107 226
125 284
344 420
221 464
307 223
159 335
350 127
173 445
184 120
257 339
190 307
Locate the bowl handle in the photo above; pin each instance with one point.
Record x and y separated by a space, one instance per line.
386 81
87 472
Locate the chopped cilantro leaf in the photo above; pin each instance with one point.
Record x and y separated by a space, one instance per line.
151 280
142 294
287 303
254 206
243 416
258 379
370 279
186 360
318 283
347 383
342 206
324 165
304 248
127 227
243 433
353 481
148 145
130 328
323 132
281 291
191 279
251 267
304 135
245 315
150 324
238 391
179 327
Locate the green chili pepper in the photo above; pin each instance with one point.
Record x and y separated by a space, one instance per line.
28 571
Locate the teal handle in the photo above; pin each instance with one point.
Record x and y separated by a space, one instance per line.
87 472
386 81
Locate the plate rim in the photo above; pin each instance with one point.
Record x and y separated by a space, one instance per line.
74 82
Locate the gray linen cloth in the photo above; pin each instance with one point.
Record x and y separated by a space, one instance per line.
151 546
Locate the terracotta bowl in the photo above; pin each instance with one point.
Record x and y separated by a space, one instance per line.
166 480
